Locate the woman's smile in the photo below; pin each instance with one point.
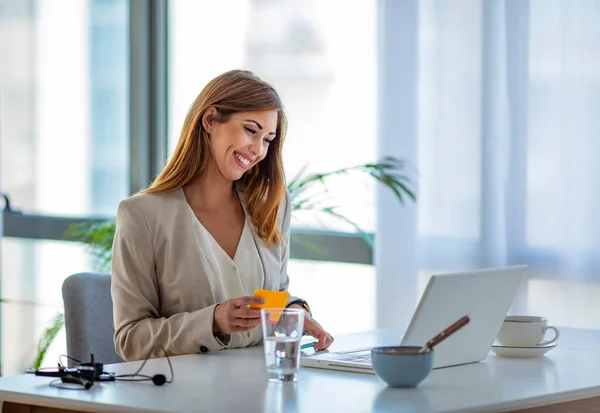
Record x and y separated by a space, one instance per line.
242 160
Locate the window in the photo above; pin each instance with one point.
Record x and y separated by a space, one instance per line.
341 295
32 275
322 66
63 99
63 149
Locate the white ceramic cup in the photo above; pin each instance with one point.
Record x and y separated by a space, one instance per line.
525 331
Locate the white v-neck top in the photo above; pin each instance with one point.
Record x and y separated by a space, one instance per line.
235 277
249 266
238 276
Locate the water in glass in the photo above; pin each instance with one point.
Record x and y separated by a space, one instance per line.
282 357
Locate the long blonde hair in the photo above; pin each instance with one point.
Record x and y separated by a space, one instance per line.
264 185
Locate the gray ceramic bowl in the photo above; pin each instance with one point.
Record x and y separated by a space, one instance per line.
401 366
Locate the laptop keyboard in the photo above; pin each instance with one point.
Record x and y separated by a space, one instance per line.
361 359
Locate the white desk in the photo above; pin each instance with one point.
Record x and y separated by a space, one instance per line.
235 381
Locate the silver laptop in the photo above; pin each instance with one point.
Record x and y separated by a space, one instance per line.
484 295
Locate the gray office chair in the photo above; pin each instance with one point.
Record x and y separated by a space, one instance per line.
89 318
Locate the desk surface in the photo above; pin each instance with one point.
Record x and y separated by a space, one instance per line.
235 380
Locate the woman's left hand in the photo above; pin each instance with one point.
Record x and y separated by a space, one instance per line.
314 329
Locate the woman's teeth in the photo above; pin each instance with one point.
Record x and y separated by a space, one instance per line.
242 159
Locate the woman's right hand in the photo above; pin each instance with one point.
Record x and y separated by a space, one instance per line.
235 315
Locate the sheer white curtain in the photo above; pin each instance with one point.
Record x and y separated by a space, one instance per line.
507 134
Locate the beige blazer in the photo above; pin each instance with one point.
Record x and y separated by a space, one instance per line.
160 288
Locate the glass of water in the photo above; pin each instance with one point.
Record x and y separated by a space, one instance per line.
282 331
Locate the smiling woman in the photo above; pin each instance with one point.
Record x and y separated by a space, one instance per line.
214 128
190 250
240 143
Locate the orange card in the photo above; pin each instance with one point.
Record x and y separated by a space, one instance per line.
273 299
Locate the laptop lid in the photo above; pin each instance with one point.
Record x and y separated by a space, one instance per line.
484 295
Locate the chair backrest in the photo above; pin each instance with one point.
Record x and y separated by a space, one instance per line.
89 318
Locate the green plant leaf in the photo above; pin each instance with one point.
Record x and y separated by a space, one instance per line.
368 238
293 184
389 171
317 250
99 236
47 337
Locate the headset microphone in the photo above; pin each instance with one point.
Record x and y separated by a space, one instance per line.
85 374
77 380
159 379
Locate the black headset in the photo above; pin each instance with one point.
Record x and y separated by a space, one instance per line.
84 375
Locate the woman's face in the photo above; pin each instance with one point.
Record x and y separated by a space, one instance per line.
242 142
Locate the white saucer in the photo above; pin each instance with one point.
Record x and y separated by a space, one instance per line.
536 351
